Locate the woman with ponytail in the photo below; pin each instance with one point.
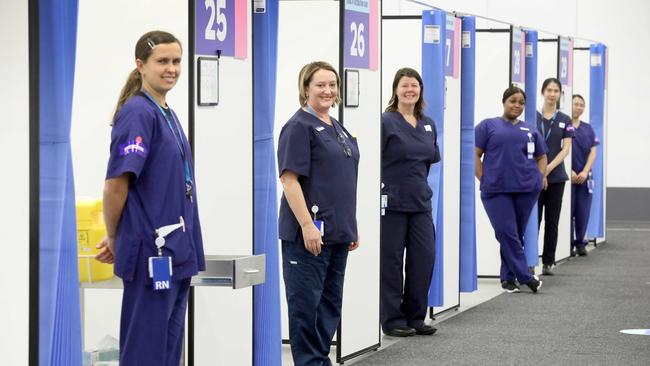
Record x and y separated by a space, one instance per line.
150 209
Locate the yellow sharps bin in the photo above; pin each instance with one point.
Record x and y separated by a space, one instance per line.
90 231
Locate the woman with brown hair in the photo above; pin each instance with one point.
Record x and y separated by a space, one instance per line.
408 148
152 222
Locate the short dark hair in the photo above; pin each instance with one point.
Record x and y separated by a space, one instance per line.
551 80
578 96
419 105
512 90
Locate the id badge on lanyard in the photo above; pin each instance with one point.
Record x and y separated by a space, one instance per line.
320 224
160 267
530 146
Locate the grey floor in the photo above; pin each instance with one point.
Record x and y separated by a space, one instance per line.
575 320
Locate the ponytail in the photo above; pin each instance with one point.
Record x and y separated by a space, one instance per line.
130 88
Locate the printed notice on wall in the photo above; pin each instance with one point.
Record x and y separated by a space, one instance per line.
529 49
466 39
259 6
432 34
596 60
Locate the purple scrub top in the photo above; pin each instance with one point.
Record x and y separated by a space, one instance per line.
143 144
554 131
316 152
585 138
407 153
506 166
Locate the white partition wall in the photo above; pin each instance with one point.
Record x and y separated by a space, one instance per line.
402 47
14 148
359 329
547 66
98 81
223 150
492 76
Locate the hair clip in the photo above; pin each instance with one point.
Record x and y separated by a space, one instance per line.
150 43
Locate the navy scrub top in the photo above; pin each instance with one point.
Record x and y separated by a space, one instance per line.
328 177
506 166
143 144
407 153
554 131
585 138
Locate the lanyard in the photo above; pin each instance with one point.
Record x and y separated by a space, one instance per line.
340 135
179 142
550 125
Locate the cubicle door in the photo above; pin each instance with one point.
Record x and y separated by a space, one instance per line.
492 76
223 150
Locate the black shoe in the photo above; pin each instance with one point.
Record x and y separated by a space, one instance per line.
546 270
582 251
509 287
573 252
425 330
400 332
535 284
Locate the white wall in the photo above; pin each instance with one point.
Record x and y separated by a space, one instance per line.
621 25
14 150
223 151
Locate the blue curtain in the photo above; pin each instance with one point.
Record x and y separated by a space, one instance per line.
433 77
468 271
597 72
531 235
59 313
267 346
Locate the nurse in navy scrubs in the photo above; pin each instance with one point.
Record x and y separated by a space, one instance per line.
511 173
408 147
152 223
583 155
318 163
557 130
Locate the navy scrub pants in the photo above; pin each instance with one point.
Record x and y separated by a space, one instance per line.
404 302
314 289
509 214
580 207
550 201
153 322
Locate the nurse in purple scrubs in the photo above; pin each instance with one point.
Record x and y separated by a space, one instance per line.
583 155
510 163
408 148
150 211
557 130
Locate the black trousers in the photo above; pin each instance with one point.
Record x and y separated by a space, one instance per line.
404 301
550 203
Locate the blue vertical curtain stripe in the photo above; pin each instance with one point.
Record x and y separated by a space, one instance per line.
267 343
433 77
468 270
531 236
596 226
59 312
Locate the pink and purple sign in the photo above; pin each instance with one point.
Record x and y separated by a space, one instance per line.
452 46
361 34
518 54
222 25
565 62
